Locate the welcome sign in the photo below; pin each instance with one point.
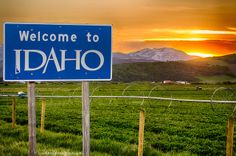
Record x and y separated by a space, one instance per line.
55 52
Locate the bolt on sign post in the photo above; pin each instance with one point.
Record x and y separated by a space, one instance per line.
57 52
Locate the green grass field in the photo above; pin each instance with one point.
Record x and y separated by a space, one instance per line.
216 79
171 128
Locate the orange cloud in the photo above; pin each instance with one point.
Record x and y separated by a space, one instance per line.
200 31
176 39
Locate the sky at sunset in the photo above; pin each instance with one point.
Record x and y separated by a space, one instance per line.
199 27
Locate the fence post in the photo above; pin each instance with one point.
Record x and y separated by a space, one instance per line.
13 112
42 115
141 132
85 118
230 136
31 119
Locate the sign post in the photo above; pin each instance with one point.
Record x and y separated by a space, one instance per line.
31 119
85 118
57 52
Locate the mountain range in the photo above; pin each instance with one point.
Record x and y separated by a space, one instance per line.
159 64
152 55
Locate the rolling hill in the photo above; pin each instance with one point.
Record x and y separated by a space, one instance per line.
207 70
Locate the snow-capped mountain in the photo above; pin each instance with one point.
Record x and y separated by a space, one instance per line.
161 54
152 55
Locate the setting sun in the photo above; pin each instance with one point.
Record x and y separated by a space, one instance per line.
200 54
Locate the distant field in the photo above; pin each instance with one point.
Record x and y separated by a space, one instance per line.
217 79
171 128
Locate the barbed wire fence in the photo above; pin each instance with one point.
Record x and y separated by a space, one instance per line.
220 95
146 97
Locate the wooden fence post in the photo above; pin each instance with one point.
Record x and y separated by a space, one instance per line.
85 118
42 115
31 119
13 112
230 136
141 132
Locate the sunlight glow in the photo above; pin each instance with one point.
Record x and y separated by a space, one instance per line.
176 39
200 54
199 31
231 28
216 32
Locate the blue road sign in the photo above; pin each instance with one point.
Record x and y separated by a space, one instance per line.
57 52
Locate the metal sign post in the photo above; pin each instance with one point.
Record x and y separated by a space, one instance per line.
85 118
31 119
